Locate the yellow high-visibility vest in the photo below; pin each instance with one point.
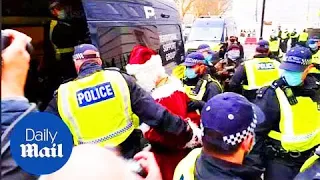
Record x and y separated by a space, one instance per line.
299 124
309 162
315 60
284 35
58 51
198 96
261 72
97 109
185 168
303 37
274 45
294 36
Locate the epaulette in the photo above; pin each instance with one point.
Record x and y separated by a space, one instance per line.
262 91
275 84
112 69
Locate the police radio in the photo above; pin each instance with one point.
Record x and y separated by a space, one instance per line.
6 41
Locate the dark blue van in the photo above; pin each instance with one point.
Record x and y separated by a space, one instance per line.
114 26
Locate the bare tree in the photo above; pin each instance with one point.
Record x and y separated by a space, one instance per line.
185 6
211 7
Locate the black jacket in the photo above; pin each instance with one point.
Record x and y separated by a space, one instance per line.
209 168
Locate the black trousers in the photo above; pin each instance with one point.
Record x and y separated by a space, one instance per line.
133 144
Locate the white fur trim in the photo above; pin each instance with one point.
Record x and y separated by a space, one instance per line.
152 64
168 89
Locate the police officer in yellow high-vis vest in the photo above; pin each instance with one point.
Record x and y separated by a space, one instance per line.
229 120
294 37
303 38
101 106
311 168
285 35
199 85
253 74
291 104
274 46
313 45
63 39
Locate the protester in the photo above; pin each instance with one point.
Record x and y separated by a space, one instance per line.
96 163
15 65
146 65
119 99
228 121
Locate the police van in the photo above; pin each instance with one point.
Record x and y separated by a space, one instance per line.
209 30
114 26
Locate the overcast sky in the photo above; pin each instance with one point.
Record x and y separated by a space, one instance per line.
288 13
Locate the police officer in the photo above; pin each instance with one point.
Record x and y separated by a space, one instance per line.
303 38
228 121
311 168
292 126
253 74
294 37
284 40
274 43
313 46
63 39
198 84
100 106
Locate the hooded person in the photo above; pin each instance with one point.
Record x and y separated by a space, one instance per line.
198 84
146 65
291 131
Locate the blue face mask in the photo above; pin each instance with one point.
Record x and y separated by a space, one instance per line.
208 59
313 47
190 73
293 78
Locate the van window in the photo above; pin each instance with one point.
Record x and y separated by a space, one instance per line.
116 43
206 34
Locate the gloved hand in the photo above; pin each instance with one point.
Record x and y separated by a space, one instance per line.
194 105
197 134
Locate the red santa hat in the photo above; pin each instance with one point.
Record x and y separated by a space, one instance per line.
143 59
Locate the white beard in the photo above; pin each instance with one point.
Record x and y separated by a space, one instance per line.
147 80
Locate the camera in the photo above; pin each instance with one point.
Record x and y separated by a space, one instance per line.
6 41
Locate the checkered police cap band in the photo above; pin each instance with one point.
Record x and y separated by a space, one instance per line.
81 56
237 138
297 60
194 61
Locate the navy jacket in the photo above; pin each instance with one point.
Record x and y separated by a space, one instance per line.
143 105
11 109
269 103
208 168
240 77
311 173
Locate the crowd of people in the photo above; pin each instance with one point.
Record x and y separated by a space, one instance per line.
227 118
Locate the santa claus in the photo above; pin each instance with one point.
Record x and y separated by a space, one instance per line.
146 66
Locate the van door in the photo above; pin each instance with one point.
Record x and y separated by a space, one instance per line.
117 26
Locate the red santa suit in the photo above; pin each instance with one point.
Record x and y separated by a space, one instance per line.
168 149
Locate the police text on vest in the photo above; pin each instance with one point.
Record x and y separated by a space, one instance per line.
33 150
265 66
95 94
